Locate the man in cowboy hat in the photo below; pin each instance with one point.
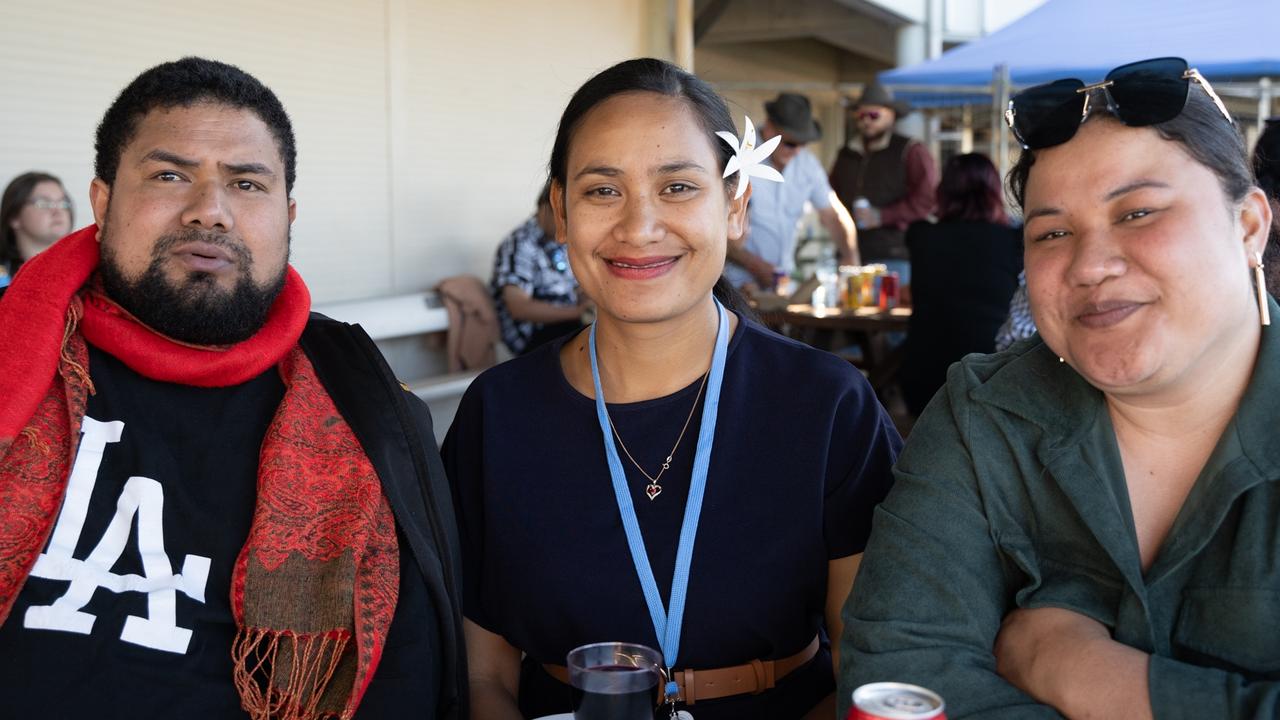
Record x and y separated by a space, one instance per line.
894 174
768 247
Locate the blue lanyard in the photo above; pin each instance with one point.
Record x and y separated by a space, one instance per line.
666 625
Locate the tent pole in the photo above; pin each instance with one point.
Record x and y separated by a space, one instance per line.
999 130
1264 102
966 132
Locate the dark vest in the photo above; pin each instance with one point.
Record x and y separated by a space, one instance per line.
881 179
402 447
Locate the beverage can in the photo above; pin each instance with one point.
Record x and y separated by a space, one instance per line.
853 291
896 701
889 291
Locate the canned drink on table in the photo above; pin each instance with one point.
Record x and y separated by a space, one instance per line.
853 290
896 701
889 291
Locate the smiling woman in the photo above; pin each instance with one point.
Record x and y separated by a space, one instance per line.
1108 487
673 418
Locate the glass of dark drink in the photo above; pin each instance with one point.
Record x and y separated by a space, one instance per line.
614 681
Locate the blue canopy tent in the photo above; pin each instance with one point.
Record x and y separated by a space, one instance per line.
1227 40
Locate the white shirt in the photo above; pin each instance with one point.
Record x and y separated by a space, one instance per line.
775 211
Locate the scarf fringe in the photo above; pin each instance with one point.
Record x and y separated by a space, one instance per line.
312 659
37 444
78 372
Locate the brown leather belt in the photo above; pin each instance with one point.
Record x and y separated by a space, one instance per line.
752 678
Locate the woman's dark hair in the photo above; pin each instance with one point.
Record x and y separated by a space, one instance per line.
15 197
970 190
663 78
1201 131
1266 159
1266 168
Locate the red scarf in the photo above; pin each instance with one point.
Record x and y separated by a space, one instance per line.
314 588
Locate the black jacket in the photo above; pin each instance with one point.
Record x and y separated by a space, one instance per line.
962 277
394 427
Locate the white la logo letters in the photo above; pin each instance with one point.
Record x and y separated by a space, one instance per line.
144 498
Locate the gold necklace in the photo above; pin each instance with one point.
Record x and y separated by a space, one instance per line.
654 488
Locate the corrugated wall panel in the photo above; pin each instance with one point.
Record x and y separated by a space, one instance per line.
423 126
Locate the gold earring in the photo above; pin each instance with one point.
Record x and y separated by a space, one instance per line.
1260 281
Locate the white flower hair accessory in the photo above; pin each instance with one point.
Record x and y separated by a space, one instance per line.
748 160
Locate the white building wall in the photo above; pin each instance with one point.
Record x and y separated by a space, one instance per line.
423 126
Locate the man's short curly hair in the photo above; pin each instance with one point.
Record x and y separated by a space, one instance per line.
184 83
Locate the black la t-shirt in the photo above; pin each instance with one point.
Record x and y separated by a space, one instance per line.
127 612
164 469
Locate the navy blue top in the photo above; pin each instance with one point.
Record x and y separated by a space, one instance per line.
802 455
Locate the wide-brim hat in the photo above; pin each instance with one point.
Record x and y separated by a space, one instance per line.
877 94
792 114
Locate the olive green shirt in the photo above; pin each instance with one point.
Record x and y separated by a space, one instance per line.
1011 493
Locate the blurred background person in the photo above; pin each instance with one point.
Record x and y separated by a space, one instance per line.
35 212
892 174
534 290
769 246
1019 324
1266 168
965 269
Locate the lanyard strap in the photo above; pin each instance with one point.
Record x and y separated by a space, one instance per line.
666 624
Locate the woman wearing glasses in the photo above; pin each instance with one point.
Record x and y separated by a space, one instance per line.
1089 523
34 213
585 470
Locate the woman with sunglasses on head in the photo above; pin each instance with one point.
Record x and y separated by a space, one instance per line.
584 471
1088 523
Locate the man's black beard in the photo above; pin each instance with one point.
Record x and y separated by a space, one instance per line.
873 139
198 311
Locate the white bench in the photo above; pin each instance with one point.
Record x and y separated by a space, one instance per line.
398 316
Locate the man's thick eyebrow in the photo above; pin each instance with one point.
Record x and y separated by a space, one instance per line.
164 156
1135 185
249 169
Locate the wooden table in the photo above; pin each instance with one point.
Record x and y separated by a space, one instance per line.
832 329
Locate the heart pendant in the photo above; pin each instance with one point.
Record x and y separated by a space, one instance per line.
653 490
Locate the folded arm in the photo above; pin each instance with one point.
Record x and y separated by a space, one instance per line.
933 587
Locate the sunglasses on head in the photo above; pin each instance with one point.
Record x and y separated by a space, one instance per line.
1138 94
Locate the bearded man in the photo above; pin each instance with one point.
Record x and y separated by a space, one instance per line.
212 503
889 180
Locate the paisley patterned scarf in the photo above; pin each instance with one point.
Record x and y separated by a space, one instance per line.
314 587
